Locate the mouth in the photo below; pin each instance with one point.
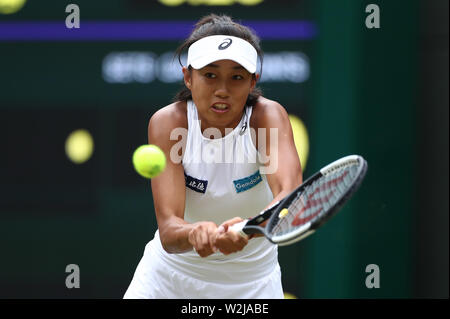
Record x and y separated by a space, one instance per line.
220 107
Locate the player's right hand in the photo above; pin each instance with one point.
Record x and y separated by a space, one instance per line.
202 236
228 241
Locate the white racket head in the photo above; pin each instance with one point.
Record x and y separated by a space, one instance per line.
316 200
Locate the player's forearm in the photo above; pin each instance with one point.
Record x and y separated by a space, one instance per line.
174 235
281 193
283 183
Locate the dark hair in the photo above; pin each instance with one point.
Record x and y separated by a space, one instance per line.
219 25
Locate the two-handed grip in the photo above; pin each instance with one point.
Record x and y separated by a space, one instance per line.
239 228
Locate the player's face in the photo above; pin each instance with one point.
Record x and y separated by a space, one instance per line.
219 91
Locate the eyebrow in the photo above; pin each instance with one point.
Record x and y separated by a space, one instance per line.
237 67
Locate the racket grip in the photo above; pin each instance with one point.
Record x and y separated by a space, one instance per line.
239 228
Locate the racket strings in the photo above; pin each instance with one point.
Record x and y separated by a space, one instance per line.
315 200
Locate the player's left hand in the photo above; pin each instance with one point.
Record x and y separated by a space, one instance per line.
228 241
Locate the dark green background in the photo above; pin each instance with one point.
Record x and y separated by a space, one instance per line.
371 92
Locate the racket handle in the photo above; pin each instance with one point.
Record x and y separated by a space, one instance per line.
239 228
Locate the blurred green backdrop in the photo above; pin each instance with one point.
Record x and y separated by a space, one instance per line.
381 93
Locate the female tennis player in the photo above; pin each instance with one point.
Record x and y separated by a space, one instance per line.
237 156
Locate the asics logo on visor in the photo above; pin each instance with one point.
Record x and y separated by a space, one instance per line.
225 44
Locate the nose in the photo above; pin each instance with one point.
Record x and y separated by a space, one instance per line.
221 90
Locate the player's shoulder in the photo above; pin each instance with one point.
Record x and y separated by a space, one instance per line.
267 113
170 116
167 118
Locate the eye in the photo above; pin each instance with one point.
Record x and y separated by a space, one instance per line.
238 77
210 75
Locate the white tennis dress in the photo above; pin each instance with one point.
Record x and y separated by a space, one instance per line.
222 181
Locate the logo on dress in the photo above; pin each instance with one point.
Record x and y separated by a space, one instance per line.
195 184
246 183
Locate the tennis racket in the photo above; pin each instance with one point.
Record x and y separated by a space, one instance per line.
310 205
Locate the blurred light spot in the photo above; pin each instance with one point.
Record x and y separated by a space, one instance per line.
11 6
79 146
301 139
288 295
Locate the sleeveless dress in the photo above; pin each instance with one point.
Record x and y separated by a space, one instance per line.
222 181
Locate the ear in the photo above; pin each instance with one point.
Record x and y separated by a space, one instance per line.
187 77
254 80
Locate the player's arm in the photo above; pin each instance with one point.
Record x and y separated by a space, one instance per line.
280 159
276 147
169 190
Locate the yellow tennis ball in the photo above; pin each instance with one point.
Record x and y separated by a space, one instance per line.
283 213
149 160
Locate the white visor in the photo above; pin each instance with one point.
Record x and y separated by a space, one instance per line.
222 47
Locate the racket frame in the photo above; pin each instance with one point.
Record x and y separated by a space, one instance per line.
248 227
